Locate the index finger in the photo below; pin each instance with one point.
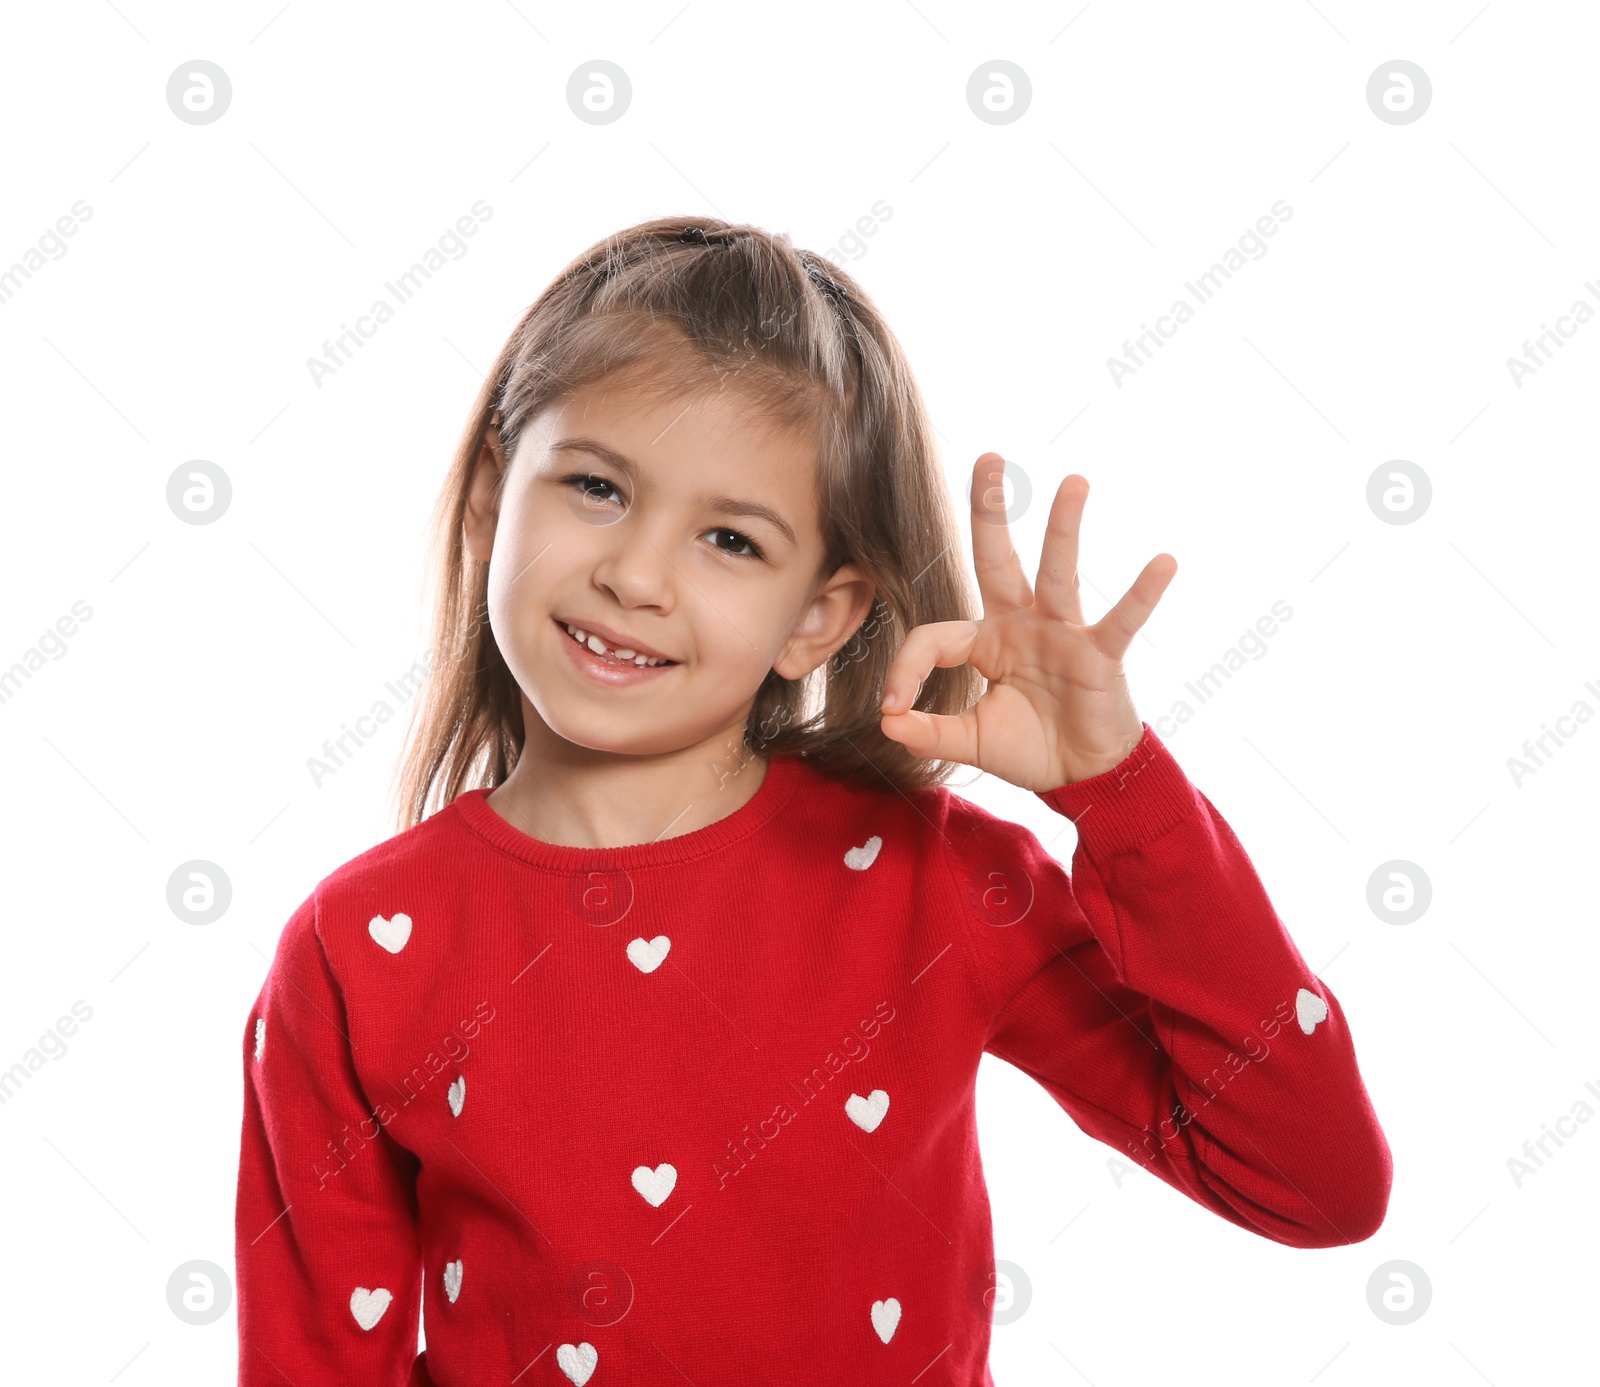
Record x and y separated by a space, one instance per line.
942 643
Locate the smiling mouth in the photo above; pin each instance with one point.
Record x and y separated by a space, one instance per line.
620 658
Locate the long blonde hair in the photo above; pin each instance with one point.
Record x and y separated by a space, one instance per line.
811 353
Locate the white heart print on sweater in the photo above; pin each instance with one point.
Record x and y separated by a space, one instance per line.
391 933
1309 1009
368 1306
867 1112
452 1279
886 1317
457 1094
261 1035
577 1363
859 859
648 954
655 1185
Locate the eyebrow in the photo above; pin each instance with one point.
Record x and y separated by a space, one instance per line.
727 505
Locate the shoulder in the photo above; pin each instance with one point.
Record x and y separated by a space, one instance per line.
824 805
935 822
1012 897
1002 865
422 848
367 897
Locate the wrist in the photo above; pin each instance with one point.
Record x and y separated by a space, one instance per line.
1135 802
1087 766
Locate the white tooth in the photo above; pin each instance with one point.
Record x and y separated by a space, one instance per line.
625 654
597 645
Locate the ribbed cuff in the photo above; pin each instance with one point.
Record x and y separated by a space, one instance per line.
1131 803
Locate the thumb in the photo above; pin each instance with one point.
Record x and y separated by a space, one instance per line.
938 736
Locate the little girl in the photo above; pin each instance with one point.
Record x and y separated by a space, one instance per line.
645 1052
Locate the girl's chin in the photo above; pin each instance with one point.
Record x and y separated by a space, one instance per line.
611 740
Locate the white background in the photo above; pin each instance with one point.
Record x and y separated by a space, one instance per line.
1377 725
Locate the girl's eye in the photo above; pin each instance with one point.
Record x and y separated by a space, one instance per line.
744 541
594 488
597 488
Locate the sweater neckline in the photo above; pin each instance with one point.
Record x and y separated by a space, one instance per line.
783 774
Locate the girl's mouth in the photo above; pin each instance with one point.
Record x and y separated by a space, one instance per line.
593 657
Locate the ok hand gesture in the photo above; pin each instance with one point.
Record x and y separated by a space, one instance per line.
1057 708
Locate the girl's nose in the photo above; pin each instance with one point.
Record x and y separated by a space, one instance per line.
633 566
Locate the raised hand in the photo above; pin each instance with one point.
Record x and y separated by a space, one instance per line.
1057 708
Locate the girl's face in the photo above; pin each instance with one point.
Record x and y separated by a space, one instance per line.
681 528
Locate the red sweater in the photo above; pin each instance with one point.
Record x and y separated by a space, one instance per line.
703 1108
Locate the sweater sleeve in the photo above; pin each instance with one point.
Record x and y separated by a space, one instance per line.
326 1248
1158 999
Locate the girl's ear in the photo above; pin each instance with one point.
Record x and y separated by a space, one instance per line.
839 607
483 493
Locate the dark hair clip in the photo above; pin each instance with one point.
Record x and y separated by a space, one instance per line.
694 236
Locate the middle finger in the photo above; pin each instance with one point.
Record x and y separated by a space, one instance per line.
1001 580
